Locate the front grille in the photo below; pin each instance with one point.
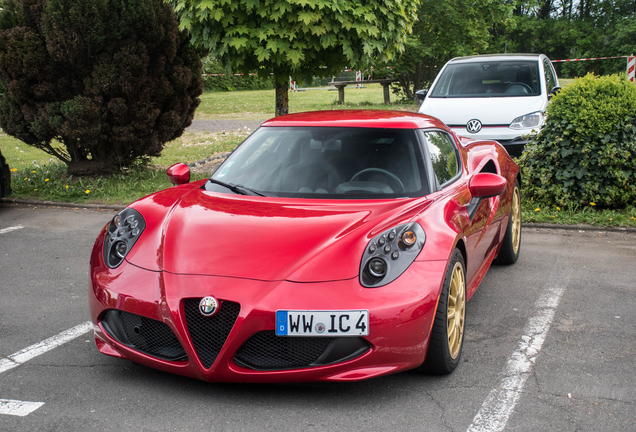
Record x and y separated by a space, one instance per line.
208 334
147 335
266 351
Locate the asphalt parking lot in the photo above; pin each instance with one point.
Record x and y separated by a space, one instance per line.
550 346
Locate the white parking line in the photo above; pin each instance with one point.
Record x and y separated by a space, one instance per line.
13 228
18 408
23 356
501 401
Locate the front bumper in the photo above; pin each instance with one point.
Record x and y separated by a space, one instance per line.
515 146
400 320
513 140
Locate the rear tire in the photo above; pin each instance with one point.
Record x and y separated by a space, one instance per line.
511 244
447 334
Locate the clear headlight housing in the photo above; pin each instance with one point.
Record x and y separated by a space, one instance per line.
389 254
532 120
123 232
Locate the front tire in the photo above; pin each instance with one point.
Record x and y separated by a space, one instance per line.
511 244
447 334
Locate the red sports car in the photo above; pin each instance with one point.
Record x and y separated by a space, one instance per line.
330 246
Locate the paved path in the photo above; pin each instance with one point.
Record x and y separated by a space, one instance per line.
223 125
550 346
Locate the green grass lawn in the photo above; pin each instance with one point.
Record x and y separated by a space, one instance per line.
38 175
259 104
588 215
565 81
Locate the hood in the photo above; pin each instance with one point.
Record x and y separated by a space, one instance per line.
490 111
301 240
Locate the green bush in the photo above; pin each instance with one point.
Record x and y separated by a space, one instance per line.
112 80
229 82
586 152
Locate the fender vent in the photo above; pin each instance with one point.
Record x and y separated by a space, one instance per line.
147 335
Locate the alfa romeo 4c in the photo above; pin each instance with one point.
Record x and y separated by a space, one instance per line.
329 246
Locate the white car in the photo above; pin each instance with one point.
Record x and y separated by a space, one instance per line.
499 97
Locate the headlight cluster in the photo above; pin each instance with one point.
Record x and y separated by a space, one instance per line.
123 232
389 254
532 120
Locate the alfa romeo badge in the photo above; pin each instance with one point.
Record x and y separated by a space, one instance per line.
208 306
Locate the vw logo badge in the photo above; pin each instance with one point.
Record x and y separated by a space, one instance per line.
473 126
208 306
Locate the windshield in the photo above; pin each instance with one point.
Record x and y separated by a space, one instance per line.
325 162
489 79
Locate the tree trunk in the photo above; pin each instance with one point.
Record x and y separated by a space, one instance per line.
417 81
544 9
282 96
89 168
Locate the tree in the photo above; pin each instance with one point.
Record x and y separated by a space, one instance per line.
573 29
624 40
298 38
112 80
446 29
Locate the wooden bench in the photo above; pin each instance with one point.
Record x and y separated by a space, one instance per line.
340 85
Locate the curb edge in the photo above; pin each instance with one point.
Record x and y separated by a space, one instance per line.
121 207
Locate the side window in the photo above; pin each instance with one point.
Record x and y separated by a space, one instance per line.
443 155
550 82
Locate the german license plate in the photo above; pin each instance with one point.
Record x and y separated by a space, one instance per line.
322 323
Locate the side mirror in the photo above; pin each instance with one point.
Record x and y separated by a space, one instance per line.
421 94
554 91
178 174
486 185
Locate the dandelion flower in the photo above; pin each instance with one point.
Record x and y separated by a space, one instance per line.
558 208
66 186
14 169
592 204
25 179
35 172
87 191
537 209
34 190
46 180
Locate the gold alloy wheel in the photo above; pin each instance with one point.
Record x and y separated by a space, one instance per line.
515 214
456 310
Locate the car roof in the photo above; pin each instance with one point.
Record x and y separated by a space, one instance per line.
486 57
357 119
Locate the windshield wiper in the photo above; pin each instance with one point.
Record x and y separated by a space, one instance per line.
236 188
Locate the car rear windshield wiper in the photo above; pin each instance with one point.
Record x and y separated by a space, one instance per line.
239 189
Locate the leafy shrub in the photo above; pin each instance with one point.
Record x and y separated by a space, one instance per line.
586 152
113 80
224 81
229 82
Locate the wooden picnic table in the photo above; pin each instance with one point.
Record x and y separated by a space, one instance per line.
340 85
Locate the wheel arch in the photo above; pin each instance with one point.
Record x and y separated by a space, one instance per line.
462 248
